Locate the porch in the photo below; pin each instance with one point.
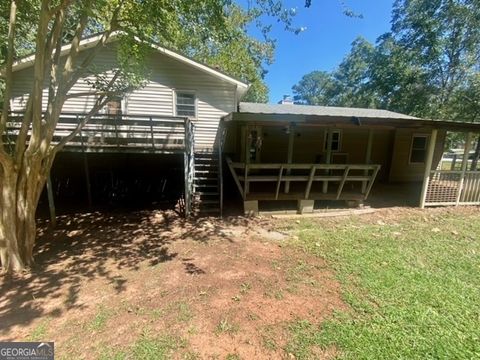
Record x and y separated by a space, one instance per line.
302 182
311 155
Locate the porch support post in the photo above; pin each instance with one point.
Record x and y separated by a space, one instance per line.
428 167
186 178
250 207
305 206
466 151
368 156
87 172
246 186
291 137
328 158
51 203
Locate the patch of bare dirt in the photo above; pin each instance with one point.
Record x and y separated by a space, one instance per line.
226 287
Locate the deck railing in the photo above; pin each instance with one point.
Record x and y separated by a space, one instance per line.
116 133
447 187
246 174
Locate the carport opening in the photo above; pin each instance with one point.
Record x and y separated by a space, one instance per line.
117 182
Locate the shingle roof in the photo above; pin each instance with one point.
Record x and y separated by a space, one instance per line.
294 109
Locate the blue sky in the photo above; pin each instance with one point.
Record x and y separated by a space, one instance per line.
326 41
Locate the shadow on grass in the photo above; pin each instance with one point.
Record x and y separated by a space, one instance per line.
90 246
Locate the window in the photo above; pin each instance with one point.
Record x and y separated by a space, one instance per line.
336 140
186 104
418 149
114 107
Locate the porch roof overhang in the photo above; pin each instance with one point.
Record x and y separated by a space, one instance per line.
339 116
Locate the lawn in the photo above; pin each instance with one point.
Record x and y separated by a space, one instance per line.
396 284
412 283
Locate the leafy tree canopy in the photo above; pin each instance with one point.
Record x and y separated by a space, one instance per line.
427 65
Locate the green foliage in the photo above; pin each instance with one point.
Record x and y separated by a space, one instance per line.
315 88
215 32
412 286
427 65
352 77
235 52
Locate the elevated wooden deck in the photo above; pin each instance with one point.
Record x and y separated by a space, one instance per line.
118 133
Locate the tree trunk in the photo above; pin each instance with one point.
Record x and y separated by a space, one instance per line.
21 191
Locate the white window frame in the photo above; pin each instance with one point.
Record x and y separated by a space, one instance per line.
123 106
190 92
325 144
427 141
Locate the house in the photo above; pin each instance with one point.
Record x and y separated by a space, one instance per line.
304 154
164 124
190 116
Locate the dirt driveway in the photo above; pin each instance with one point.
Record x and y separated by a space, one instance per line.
222 289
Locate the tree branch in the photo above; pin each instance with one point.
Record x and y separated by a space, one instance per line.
8 71
100 103
69 67
74 76
39 78
59 7
54 42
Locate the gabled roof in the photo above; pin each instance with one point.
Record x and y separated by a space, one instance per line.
294 109
90 42
333 116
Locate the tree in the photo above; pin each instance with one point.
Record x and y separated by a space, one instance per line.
236 53
430 51
51 24
425 66
352 77
348 85
315 88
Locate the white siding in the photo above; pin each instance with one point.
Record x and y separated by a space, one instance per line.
215 98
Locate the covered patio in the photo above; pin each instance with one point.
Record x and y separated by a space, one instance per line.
306 154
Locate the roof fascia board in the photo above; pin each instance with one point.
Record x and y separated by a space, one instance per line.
342 120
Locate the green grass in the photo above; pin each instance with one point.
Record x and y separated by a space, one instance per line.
413 287
232 357
99 321
225 326
39 333
149 347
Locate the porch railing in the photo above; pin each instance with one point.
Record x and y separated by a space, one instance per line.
246 174
447 187
115 133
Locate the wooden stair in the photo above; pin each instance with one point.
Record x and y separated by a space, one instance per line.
206 185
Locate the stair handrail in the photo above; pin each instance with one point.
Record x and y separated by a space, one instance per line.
189 164
222 132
